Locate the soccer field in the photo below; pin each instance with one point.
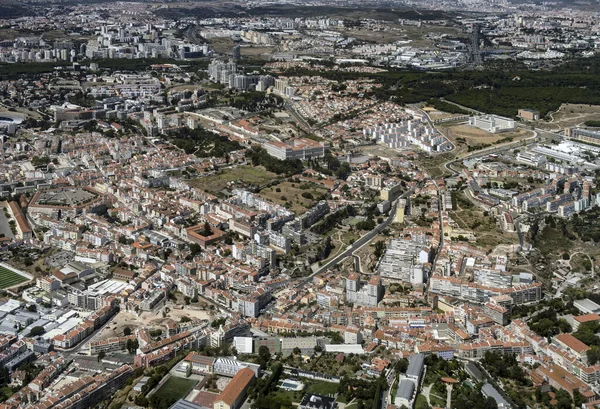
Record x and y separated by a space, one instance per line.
9 278
175 388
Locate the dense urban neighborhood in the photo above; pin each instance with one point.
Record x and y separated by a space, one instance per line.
312 205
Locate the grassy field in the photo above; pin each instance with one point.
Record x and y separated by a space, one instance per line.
240 176
175 388
289 194
322 388
434 164
9 278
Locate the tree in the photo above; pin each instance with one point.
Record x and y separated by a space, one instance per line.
344 171
379 249
101 356
297 351
206 230
264 355
36 331
490 403
578 398
402 365
127 331
4 376
593 355
564 399
318 348
132 346
195 249
185 319
421 402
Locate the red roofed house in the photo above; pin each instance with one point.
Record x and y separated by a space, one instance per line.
573 345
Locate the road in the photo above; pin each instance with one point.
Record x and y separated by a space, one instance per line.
538 134
390 378
190 34
73 352
441 244
298 118
360 242
585 254
474 111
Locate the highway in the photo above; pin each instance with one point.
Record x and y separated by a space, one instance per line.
190 34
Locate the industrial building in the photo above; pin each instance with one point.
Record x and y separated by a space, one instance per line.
301 148
493 123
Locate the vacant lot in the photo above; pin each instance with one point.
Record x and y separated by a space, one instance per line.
488 234
9 278
434 115
175 388
241 176
477 137
9 34
572 115
435 164
224 45
298 197
380 37
150 320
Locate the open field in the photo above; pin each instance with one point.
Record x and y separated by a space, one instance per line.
257 51
400 32
290 195
380 37
477 137
224 45
9 278
435 164
322 388
368 261
487 233
436 115
381 151
175 388
417 34
9 34
239 176
572 115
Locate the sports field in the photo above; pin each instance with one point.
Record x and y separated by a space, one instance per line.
9 278
175 388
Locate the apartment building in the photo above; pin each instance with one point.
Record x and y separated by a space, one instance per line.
110 345
369 293
573 346
584 135
404 261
